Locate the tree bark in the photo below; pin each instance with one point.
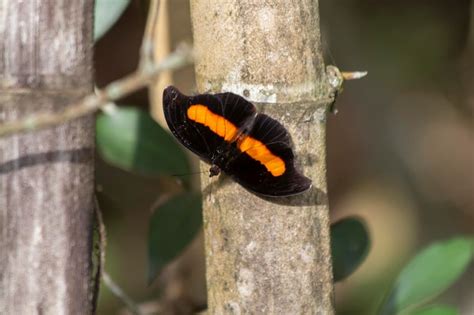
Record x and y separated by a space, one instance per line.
46 177
267 256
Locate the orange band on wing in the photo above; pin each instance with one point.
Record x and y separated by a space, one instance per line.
259 151
218 124
227 130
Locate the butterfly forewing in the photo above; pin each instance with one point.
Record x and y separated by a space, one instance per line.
205 123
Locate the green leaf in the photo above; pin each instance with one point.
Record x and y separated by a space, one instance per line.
428 274
129 138
436 310
172 227
349 245
107 12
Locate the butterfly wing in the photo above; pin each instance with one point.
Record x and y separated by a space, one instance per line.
206 122
253 148
266 163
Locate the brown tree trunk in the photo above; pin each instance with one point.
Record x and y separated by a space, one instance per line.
46 177
267 256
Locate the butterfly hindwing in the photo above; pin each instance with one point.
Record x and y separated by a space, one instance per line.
269 169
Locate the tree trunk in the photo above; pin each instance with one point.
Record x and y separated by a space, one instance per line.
267 256
46 177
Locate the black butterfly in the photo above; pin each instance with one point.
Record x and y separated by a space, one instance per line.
226 131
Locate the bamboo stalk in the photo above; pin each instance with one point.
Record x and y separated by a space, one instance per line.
47 177
267 256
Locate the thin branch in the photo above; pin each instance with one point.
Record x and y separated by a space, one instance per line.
147 50
117 291
91 103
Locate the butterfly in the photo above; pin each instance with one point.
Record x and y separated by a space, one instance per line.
226 131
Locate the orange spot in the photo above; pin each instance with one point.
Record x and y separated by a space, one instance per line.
227 130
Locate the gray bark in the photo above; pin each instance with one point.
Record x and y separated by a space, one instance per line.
46 177
267 256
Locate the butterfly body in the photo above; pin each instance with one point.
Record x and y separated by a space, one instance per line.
226 131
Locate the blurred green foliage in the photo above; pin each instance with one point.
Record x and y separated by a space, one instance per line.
437 310
129 138
173 226
350 245
428 274
106 13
